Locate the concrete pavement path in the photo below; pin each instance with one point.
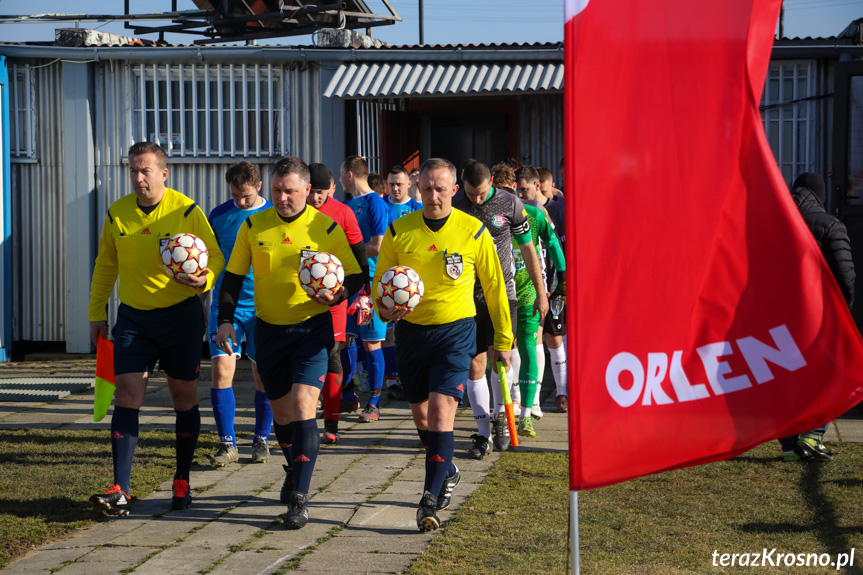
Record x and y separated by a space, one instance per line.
362 511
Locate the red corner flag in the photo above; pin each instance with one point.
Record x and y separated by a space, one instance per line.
706 319
105 383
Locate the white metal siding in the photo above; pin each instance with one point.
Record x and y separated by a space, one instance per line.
402 79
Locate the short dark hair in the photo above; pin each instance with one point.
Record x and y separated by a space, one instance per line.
243 174
378 184
468 162
141 148
475 174
439 163
503 174
291 165
399 169
545 174
527 173
357 165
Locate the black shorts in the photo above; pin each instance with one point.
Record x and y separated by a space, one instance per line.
297 353
434 358
172 335
555 326
485 328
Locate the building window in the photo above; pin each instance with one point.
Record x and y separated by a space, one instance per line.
788 113
200 111
22 92
369 131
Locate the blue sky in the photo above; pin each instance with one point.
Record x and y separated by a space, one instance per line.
446 21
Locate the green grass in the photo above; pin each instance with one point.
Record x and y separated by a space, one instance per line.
670 523
46 477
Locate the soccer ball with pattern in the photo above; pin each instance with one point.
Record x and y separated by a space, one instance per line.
321 274
184 255
400 287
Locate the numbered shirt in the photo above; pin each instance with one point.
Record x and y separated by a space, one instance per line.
129 249
449 261
274 248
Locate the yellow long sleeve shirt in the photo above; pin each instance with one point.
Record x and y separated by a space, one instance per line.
449 261
129 248
273 248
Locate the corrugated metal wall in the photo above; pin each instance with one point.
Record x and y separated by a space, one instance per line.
304 105
541 131
38 251
38 202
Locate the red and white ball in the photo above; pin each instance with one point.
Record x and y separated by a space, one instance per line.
400 287
185 255
321 274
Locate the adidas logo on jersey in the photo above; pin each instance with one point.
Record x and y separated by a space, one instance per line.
146 231
433 248
287 241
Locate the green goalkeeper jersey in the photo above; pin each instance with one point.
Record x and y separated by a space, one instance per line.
544 239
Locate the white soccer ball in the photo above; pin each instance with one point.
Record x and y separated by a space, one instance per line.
184 255
400 287
321 274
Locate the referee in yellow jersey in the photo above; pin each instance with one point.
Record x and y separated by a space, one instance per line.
449 250
293 332
159 317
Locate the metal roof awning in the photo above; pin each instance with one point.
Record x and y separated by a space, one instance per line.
424 79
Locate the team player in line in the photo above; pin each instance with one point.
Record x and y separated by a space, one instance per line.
321 198
371 212
293 332
553 330
399 203
505 218
530 353
160 316
244 183
449 250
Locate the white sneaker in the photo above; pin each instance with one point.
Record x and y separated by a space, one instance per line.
535 411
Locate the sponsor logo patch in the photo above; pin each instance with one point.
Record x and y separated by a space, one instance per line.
454 265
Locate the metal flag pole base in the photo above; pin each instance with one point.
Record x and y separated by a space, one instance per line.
573 530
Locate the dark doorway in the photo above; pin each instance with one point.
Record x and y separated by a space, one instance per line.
458 137
847 182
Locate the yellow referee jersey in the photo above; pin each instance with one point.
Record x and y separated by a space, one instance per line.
129 247
449 261
273 248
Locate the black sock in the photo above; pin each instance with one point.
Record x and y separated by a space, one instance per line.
188 429
424 437
285 437
307 443
124 439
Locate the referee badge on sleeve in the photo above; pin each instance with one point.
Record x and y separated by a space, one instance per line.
453 265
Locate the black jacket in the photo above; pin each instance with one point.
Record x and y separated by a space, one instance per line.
809 194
